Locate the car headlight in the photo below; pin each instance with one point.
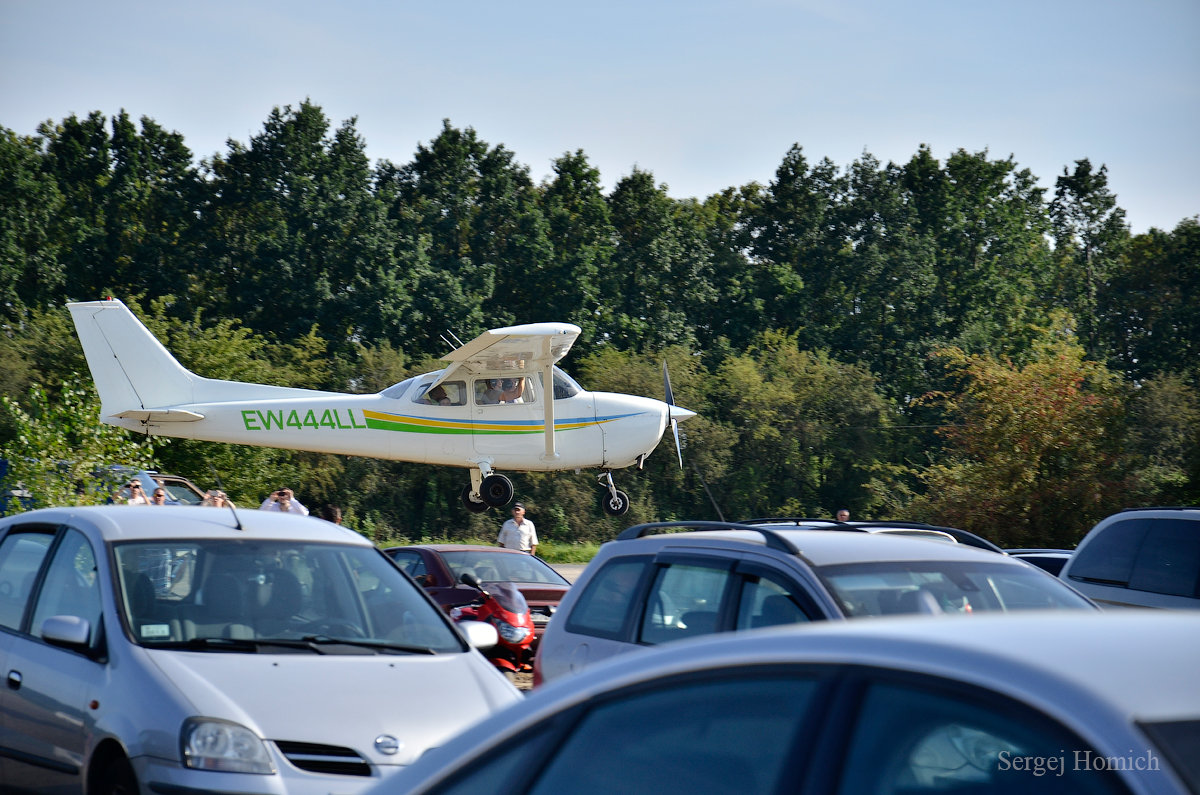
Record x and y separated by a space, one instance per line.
211 744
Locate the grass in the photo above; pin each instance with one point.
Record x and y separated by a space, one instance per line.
547 551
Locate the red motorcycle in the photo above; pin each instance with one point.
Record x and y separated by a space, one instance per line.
505 608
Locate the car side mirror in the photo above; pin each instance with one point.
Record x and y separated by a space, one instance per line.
480 634
71 632
469 578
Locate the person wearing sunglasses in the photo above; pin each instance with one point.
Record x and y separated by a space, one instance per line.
137 495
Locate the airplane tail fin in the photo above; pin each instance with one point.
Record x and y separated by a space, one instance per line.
133 372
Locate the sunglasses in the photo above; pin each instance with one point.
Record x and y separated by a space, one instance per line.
135 485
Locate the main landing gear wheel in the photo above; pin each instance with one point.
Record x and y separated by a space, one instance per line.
614 503
471 502
496 490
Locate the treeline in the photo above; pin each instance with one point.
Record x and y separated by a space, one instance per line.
930 340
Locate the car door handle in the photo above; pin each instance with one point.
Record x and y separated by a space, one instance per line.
14 680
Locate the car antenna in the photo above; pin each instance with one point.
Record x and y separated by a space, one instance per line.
217 478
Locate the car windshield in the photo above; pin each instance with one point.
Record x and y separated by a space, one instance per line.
250 595
895 587
493 566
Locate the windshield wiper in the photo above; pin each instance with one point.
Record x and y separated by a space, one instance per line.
379 646
210 644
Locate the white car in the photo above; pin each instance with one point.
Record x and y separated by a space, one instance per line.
1050 702
148 649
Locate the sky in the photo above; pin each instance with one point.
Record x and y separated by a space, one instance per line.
704 95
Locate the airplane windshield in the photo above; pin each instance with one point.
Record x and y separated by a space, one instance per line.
564 385
397 390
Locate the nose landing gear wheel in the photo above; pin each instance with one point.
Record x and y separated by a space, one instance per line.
496 490
471 502
615 503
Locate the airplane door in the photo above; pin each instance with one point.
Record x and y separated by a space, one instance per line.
507 418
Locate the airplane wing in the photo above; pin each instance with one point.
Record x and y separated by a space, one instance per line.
519 350
529 348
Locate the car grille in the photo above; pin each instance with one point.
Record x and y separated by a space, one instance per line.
324 758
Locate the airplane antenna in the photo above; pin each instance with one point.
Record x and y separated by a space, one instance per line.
217 479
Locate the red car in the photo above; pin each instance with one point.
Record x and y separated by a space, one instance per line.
439 566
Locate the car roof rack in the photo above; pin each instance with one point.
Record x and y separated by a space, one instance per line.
772 539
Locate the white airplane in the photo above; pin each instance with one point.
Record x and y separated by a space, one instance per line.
489 409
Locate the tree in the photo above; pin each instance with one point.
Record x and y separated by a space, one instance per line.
30 201
297 239
1089 236
59 447
808 428
581 232
1034 452
1148 307
661 272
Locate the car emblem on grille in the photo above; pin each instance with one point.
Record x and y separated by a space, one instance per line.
387 744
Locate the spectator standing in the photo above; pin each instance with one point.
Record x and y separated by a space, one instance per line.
518 532
283 501
159 497
843 514
331 513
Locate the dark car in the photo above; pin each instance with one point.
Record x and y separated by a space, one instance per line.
1140 557
1051 560
439 568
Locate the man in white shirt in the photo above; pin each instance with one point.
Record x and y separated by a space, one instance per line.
283 501
518 532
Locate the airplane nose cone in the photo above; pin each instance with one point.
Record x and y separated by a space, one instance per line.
679 414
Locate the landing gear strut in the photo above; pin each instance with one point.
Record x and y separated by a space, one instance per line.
487 490
613 501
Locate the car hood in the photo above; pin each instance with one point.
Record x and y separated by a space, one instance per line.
342 700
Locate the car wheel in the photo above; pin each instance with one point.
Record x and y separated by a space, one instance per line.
118 779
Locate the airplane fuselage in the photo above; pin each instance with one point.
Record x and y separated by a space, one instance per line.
623 427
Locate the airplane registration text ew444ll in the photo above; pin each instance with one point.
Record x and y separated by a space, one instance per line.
501 403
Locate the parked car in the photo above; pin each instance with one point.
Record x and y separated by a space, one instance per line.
180 490
439 567
247 652
652 586
1052 560
1143 557
1091 704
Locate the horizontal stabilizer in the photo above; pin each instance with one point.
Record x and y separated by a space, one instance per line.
160 415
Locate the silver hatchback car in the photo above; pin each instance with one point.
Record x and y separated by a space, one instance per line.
669 581
150 649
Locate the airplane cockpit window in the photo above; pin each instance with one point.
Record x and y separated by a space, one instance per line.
447 393
491 391
396 391
564 385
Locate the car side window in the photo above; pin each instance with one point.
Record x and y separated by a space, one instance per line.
695 736
915 740
766 603
21 555
71 587
1108 557
684 601
1168 561
411 563
607 598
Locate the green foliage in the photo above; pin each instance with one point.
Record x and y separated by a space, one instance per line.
797 318
59 448
1034 455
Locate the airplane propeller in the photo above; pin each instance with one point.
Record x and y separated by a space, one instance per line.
670 401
